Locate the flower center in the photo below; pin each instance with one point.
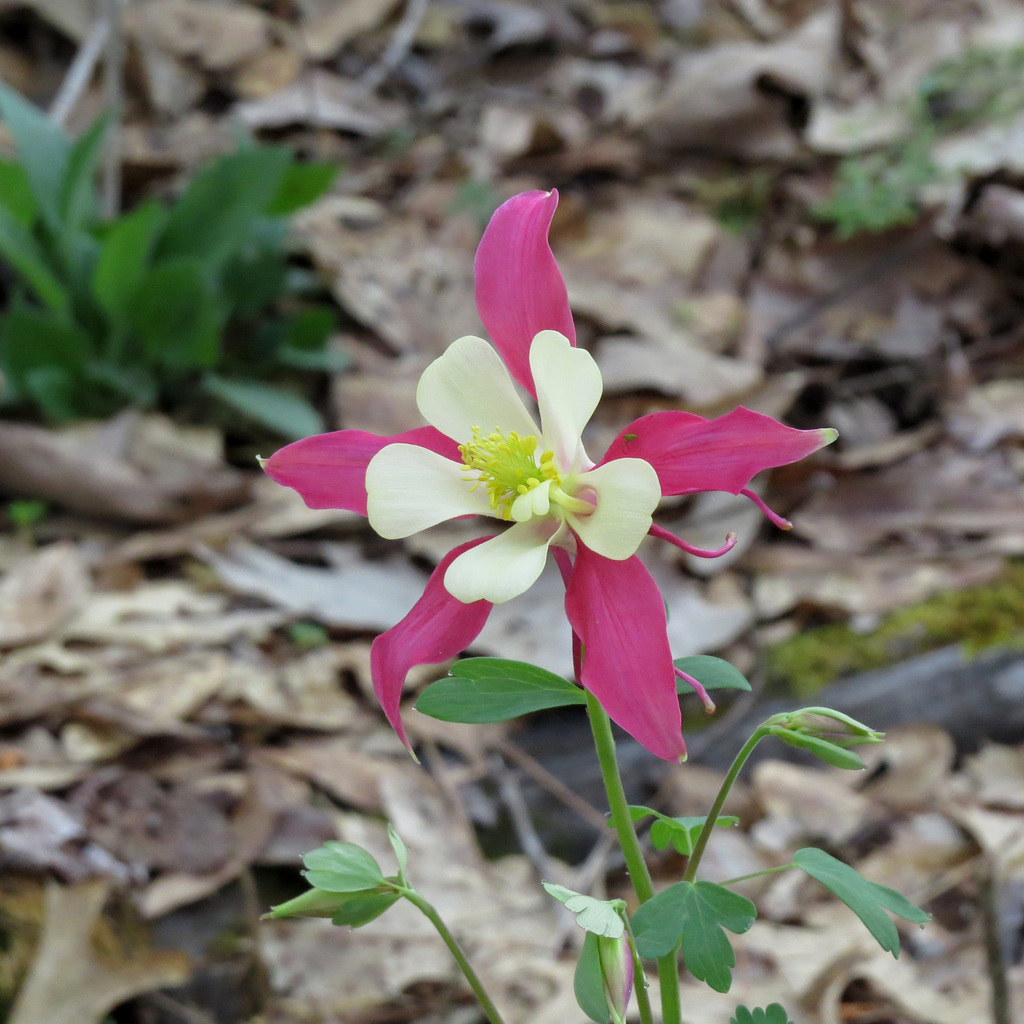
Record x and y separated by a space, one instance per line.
507 465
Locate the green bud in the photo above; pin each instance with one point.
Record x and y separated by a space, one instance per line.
826 724
312 903
826 733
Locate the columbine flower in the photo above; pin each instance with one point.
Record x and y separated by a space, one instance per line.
484 453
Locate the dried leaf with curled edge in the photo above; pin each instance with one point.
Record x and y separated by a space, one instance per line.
79 974
41 593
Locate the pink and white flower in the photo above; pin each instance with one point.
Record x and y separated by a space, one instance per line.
486 453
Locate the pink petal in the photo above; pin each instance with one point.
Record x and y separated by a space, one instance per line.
618 613
693 454
519 288
329 470
437 628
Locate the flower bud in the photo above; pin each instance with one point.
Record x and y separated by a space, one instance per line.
617 973
832 726
826 733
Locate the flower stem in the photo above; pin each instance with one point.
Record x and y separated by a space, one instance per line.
490 1010
622 822
716 808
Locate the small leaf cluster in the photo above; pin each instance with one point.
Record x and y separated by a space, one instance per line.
774 1013
159 304
879 190
348 885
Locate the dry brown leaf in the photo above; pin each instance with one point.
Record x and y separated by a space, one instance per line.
354 592
409 282
326 31
321 99
988 413
806 803
41 593
713 97
80 972
160 617
216 33
788 576
335 766
136 468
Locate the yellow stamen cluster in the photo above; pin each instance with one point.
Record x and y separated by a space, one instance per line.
507 465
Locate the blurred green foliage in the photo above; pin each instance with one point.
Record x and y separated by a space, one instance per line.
163 306
880 190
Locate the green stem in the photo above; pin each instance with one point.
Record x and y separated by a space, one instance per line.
622 822
456 951
643 1001
758 874
716 808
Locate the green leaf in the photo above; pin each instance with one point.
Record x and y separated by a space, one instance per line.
176 316
77 199
401 853
588 982
698 913
124 257
288 414
342 867
309 329
494 690
21 250
680 832
31 338
53 389
601 917
16 192
302 184
362 908
774 1013
216 214
711 673
324 360
43 147
254 280
866 899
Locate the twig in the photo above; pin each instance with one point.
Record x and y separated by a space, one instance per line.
398 47
522 823
81 70
558 789
988 897
113 94
175 1008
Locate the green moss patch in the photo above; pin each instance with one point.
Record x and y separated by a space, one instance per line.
980 618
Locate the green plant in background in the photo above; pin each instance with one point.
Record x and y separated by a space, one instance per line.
164 306
876 191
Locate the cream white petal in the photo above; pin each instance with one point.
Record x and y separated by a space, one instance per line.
503 567
535 502
627 493
468 386
569 387
409 488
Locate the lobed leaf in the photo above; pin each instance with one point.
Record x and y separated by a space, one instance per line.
696 913
680 832
599 917
866 899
